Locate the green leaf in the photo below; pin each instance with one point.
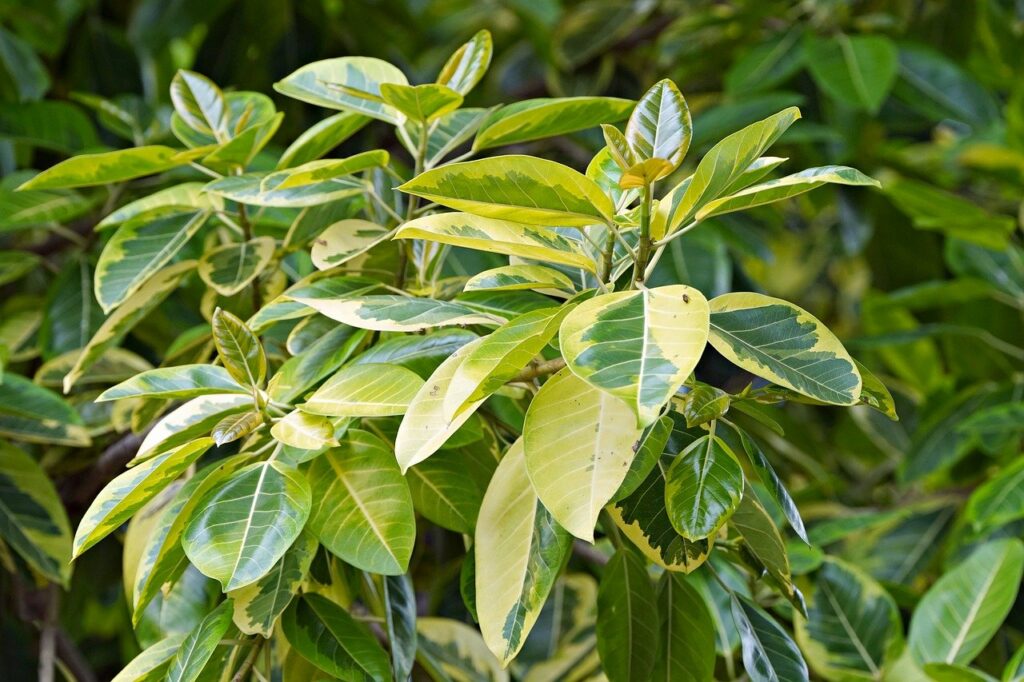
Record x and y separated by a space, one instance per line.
874 393
315 172
348 83
687 651
366 390
769 655
139 249
627 620
778 341
939 88
773 484
784 188
236 426
198 646
183 381
857 71
230 268
999 500
200 104
321 138
961 612
652 446
332 640
26 209
501 356
239 349
151 664
704 404
87 170
468 64
243 148
422 353
258 605
498 236
127 493
534 119
448 488
451 650
719 170
421 102
32 518
763 540
400 617
35 414
191 420
393 313
344 240
128 314
523 188
639 346
53 125
519 278
519 552
579 443
660 127
304 431
364 510
766 65
946 672
852 626
644 520
703 488
244 527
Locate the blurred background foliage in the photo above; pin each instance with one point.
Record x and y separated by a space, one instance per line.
924 281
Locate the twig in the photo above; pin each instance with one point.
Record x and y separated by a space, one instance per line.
538 370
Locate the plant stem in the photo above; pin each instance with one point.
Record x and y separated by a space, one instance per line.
644 248
538 370
609 256
404 255
249 661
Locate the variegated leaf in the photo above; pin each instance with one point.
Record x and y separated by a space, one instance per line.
423 102
35 414
519 551
323 170
468 64
450 649
197 648
365 390
230 268
498 236
264 189
335 642
239 349
192 420
305 431
393 313
639 346
127 493
579 442
183 381
344 240
527 189
200 104
778 341
258 605
348 83
534 119
364 511
703 487
244 526
86 170
519 278
660 128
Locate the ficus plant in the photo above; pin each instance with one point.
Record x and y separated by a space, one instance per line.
392 354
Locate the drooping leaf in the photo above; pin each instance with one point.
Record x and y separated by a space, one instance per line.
364 512
578 444
153 662
138 249
687 633
239 349
332 640
35 414
468 64
785 344
963 609
348 83
526 189
627 620
719 170
183 381
639 346
197 648
448 488
534 119
852 625
32 519
501 356
127 493
874 393
497 236
243 528
660 127
365 390
762 538
519 551
703 488
784 188
772 482
230 268
86 170
400 617
344 240
858 71
769 655
258 605
71 314
128 314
